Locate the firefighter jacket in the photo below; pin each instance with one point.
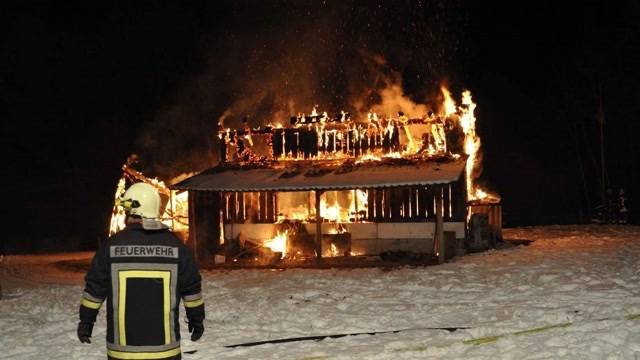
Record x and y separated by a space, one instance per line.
143 276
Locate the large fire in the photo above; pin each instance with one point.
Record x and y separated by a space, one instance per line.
471 145
446 133
279 243
175 214
318 136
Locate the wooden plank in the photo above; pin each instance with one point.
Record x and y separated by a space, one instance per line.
233 208
270 207
379 200
415 204
439 226
386 203
395 204
407 196
445 199
225 208
275 206
263 207
193 224
241 208
429 202
204 224
355 205
423 203
459 198
318 227
252 207
371 204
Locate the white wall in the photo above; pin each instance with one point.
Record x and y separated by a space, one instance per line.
366 238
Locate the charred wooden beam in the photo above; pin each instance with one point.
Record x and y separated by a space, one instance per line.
271 213
446 201
263 206
275 206
439 226
423 203
204 224
242 210
415 209
233 202
430 202
225 207
395 204
277 143
318 227
371 204
386 204
459 198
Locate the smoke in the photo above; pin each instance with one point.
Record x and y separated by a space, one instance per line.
337 56
386 95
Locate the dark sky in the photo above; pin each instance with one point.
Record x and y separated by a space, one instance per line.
86 84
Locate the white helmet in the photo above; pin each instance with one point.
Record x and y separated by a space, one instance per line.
142 199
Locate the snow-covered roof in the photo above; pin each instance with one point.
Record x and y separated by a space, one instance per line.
307 176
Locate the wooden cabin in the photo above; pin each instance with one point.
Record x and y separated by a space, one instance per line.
410 206
332 189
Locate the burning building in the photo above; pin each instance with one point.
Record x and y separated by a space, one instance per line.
174 202
326 186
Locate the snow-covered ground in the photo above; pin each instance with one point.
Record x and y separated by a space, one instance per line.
584 278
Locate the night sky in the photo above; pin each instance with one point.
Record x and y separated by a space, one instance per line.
87 84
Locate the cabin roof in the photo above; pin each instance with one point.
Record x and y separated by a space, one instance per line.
314 175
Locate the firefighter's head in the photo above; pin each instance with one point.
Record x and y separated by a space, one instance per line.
142 201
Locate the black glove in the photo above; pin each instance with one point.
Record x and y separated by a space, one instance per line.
196 330
84 332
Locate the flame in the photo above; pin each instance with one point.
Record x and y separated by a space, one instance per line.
368 157
467 120
449 106
360 202
485 196
389 128
354 202
176 213
118 216
481 194
338 229
471 140
295 214
293 206
331 212
278 243
393 155
439 136
334 250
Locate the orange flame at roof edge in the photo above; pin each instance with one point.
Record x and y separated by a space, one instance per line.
176 209
471 145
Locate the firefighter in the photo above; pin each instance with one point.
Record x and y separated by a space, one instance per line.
143 272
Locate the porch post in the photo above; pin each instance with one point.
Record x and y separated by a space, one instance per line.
439 224
318 227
